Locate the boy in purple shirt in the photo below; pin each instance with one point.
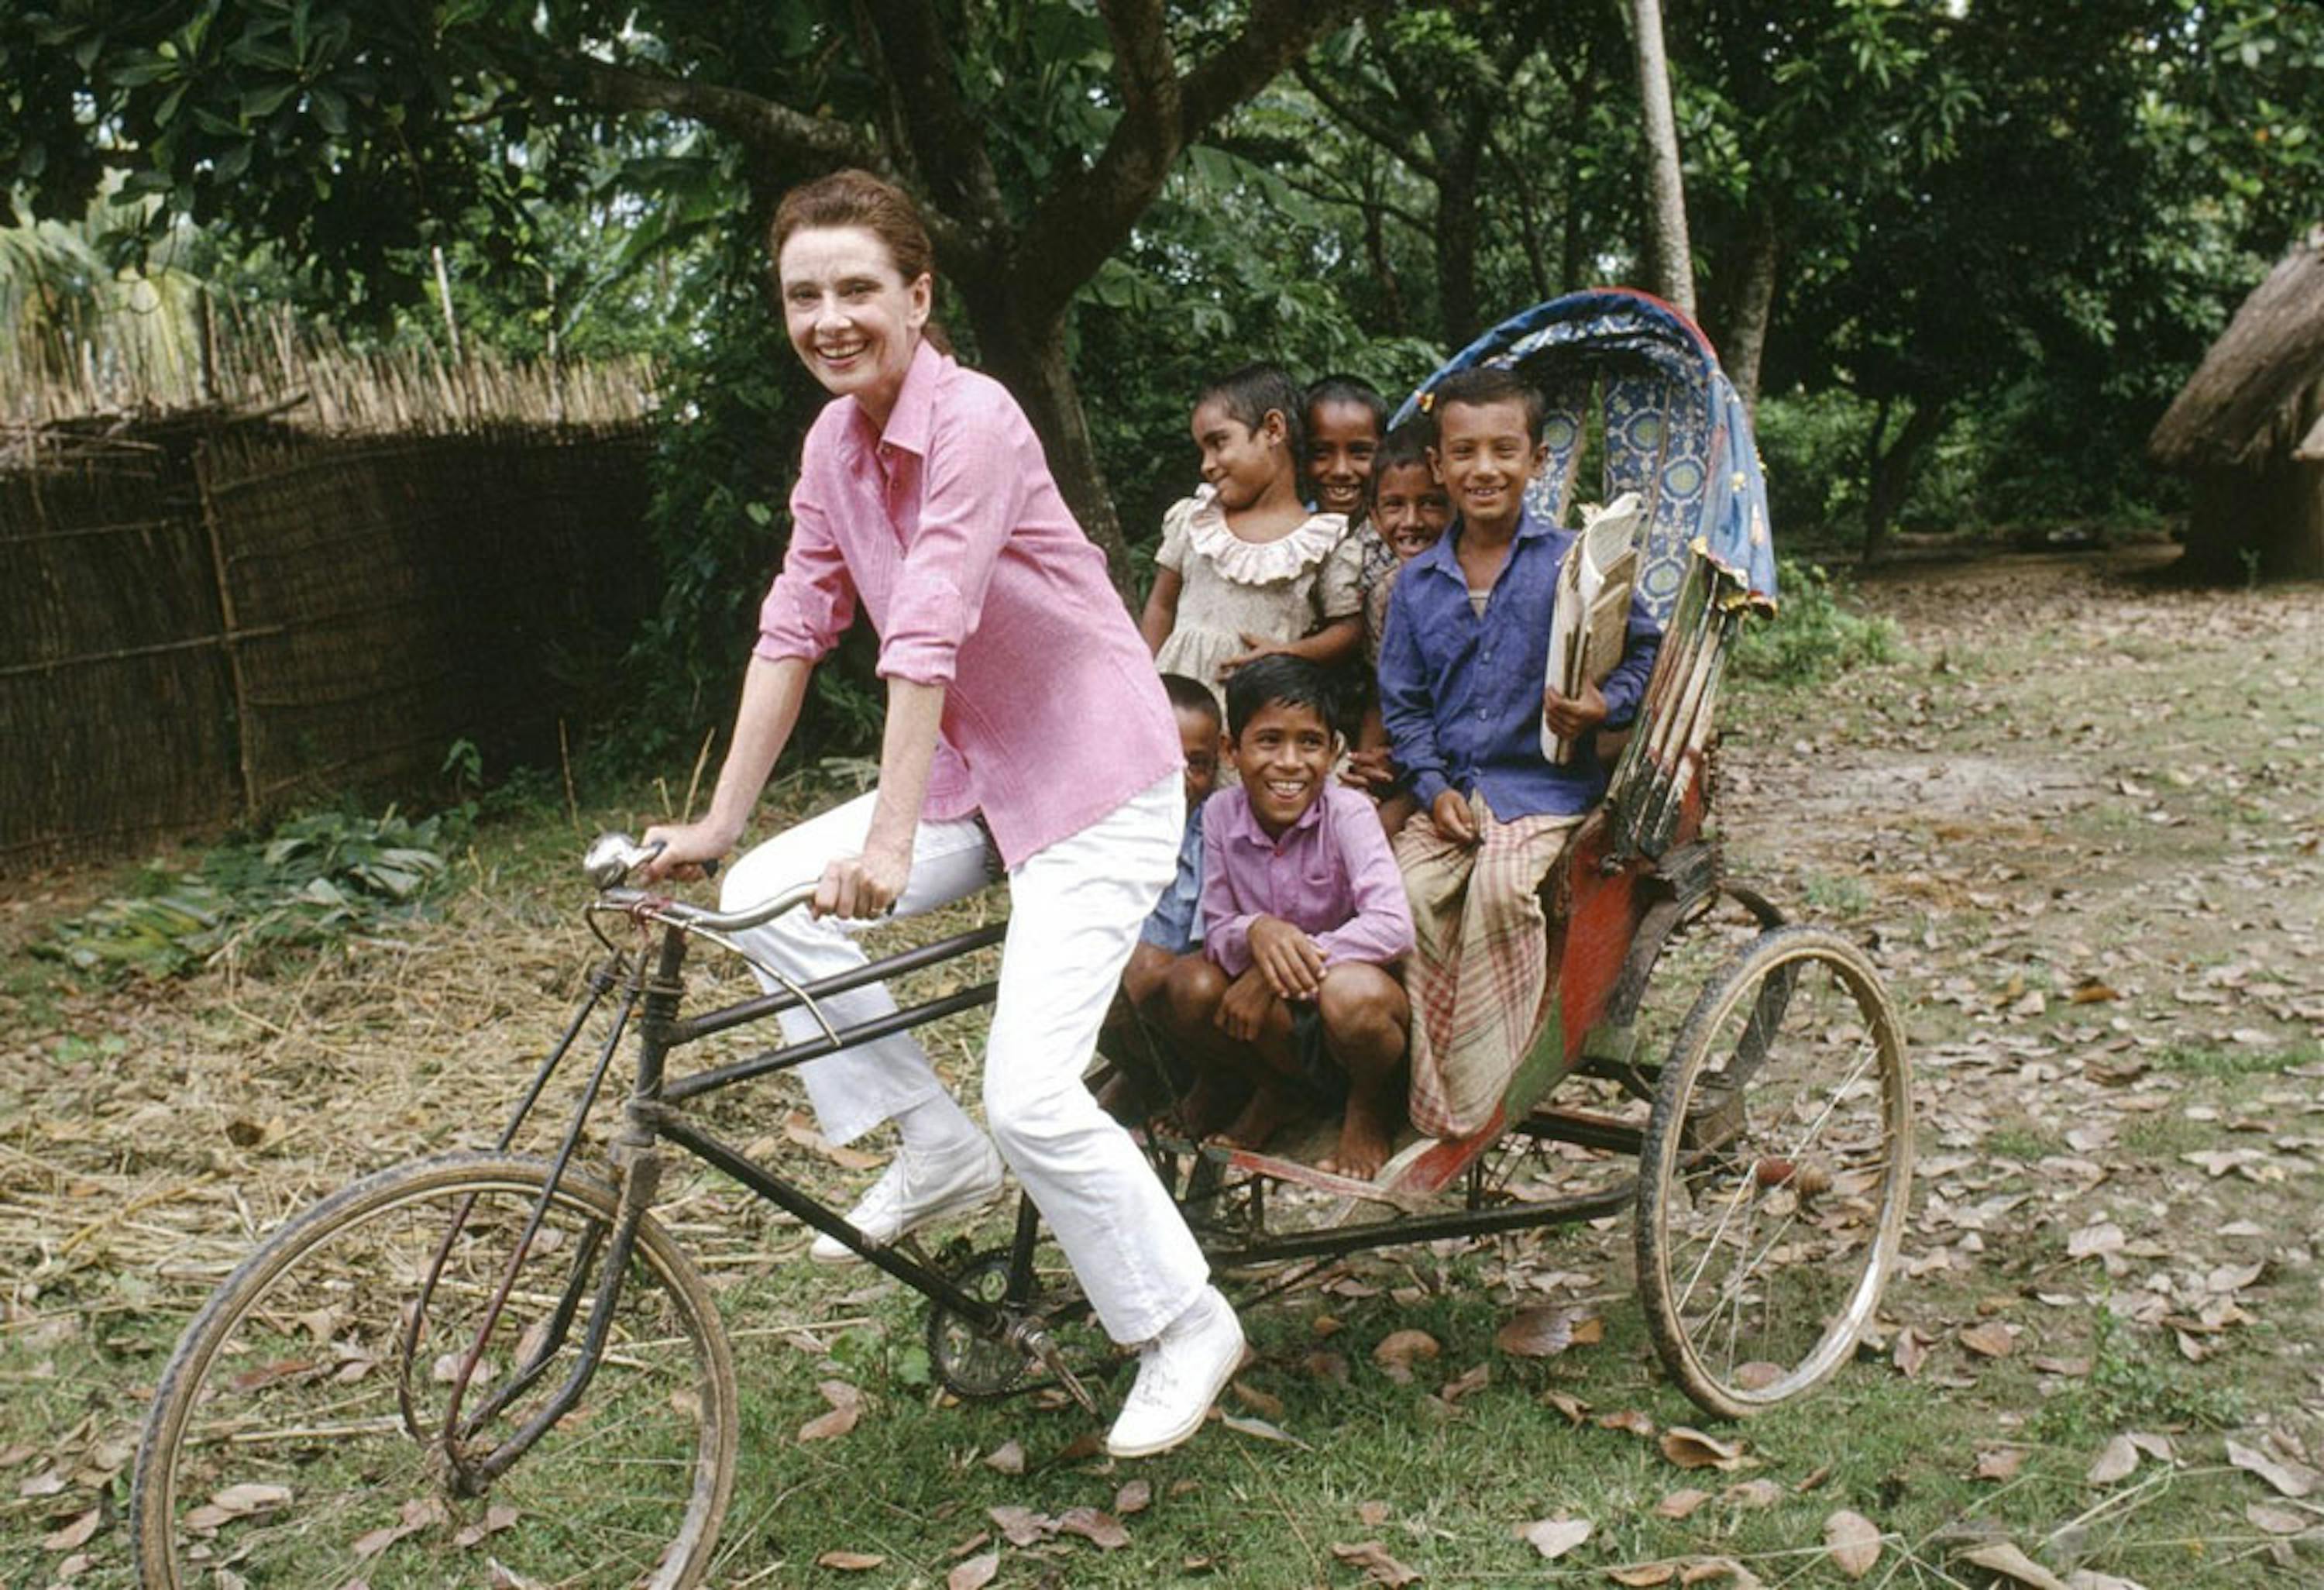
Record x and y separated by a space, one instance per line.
1305 919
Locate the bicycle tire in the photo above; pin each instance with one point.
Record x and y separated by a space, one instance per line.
1777 1168
277 1451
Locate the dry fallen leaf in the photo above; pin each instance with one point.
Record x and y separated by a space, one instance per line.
1998 1463
1643 1573
1379 1567
1133 1498
1008 1458
1398 1348
1021 1526
1266 1404
850 1562
1690 1448
1263 1431
2278 1521
829 1426
1853 1541
1988 1339
2005 1559
76 1534
1680 1503
1101 1529
2115 1464
1546 1331
1553 1537
248 1498
2294 1483
499 1516
1372 1514
974 1574
1752 1493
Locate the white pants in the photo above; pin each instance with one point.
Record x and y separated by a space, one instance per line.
1074 910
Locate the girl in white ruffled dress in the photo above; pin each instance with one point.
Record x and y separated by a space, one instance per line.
1245 569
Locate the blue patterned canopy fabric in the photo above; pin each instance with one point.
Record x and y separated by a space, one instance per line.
1675 429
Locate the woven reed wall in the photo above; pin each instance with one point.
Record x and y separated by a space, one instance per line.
218 623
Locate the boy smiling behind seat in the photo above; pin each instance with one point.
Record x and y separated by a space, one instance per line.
1461 667
1295 994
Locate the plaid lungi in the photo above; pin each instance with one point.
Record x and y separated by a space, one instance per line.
1478 973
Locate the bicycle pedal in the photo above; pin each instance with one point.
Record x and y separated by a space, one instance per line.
1053 1359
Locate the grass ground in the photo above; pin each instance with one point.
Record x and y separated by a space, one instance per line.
2078 821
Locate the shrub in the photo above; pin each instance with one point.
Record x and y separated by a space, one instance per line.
1813 635
314 879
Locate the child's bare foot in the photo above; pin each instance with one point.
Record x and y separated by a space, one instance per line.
1366 1137
1269 1109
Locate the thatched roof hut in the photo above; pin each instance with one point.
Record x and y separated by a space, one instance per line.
2249 427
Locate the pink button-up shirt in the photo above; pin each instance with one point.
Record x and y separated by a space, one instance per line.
1331 876
949 530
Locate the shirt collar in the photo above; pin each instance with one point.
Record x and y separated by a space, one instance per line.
1442 555
1250 833
913 418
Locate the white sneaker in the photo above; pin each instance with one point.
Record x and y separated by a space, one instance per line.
916 1188
1180 1374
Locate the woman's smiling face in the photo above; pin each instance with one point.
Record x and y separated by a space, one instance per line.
854 319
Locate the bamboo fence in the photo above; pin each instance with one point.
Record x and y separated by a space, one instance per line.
318 581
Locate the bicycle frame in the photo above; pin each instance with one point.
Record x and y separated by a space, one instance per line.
655 1114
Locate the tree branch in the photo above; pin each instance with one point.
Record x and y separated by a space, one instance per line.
944 140
789 139
1086 216
1366 124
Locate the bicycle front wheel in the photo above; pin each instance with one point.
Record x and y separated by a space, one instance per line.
299 1435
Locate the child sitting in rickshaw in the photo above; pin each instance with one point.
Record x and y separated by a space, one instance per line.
1293 1003
1461 667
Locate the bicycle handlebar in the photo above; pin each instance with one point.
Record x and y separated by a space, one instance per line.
610 857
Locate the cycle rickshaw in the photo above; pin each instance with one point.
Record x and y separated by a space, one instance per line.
514 1357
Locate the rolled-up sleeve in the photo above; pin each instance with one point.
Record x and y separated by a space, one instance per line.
812 600
1407 708
974 494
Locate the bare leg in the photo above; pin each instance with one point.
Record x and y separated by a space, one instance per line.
1189 998
1366 1021
1122 1092
1271 1060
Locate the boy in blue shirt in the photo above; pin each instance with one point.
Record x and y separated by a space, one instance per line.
1462 665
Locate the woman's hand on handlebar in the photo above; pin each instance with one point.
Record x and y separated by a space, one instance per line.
862 886
685 847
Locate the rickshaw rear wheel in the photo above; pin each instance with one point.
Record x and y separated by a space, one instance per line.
1775 1173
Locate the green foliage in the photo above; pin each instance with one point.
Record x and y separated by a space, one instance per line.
315 879
1814 636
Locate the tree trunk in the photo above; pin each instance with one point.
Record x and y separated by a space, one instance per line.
1027 356
1892 470
1672 259
1456 247
1755 300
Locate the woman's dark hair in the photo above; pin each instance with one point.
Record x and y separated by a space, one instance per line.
1252 392
1347 389
1280 677
1406 445
851 198
1190 696
1479 388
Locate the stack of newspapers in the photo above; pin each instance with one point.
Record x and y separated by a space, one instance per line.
1591 619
